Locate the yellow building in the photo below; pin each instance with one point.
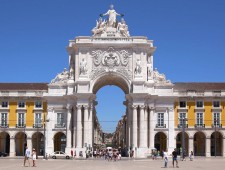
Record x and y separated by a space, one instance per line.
22 111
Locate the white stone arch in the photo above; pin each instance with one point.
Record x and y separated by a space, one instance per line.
111 78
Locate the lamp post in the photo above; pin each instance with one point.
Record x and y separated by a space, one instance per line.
183 133
216 123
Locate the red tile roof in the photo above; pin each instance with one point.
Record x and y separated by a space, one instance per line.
23 86
199 86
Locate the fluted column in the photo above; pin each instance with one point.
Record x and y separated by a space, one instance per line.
151 129
68 127
79 127
134 136
86 129
142 127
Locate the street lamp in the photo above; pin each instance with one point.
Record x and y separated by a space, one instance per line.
216 123
183 119
44 148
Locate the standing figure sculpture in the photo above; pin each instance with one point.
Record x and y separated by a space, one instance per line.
83 66
112 16
137 69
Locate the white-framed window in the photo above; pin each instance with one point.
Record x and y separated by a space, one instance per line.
182 104
21 120
199 104
21 104
38 119
4 119
38 104
160 120
199 119
182 117
60 119
5 104
216 119
216 104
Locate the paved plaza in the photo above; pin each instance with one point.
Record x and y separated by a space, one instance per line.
124 164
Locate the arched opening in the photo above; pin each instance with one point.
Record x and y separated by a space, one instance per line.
20 143
111 121
59 142
160 141
38 142
216 144
4 142
179 142
199 144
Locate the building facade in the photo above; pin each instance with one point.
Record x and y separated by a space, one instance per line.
61 115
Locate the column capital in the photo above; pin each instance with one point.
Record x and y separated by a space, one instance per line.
134 106
79 106
86 107
142 106
68 106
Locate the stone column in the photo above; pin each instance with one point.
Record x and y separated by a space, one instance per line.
142 141
68 129
86 127
134 135
79 127
90 120
208 147
223 150
191 145
151 129
171 131
29 143
12 152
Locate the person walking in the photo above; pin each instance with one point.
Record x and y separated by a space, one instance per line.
191 156
174 154
26 157
34 157
165 159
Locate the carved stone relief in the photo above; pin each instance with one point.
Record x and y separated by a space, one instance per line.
110 60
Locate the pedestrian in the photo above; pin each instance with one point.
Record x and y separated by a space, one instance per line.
27 156
191 156
174 154
165 159
34 157
71 153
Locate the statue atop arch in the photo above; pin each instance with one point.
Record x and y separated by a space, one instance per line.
110 27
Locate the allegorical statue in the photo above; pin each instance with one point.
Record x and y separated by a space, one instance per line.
137 69
112 16
99 28
122 28
61 77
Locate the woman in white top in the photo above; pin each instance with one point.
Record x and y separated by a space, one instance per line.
34 157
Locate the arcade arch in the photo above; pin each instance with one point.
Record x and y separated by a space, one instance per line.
216 144
4 142
160 141
199 144
38 142
179 142
20 143
59 141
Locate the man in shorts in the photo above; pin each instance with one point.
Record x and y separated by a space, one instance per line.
174 154
27 156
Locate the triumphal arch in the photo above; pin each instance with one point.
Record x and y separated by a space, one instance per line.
110 56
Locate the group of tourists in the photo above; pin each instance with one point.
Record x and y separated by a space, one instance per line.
29 155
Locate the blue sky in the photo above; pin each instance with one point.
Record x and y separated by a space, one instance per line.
189 36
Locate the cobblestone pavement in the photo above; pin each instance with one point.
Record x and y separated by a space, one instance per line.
124 164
